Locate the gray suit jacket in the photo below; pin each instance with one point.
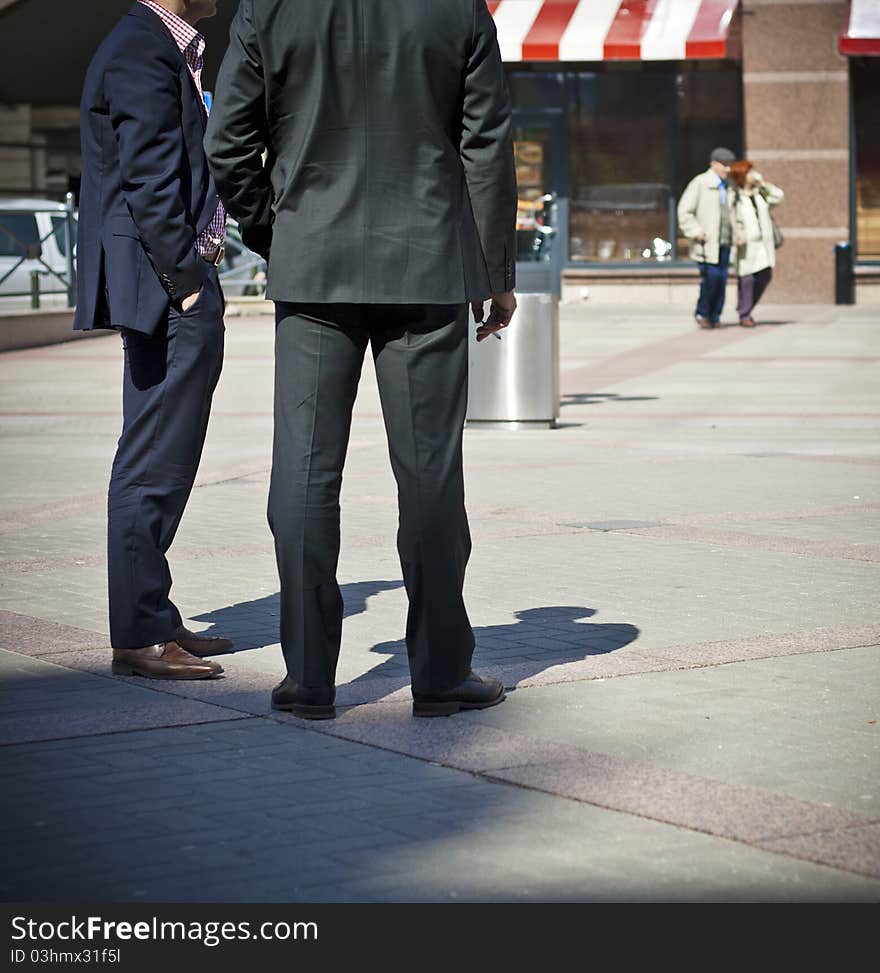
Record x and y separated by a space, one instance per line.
388 175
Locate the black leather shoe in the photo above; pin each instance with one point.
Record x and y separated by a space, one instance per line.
201 645
309 703
476 692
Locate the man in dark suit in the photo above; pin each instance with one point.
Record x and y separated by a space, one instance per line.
385 203
150 239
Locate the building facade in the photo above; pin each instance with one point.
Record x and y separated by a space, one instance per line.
618 103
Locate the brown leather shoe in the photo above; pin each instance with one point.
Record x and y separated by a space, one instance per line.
164 661
748 322
703 322
201 645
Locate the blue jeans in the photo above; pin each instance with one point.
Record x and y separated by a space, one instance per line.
713 281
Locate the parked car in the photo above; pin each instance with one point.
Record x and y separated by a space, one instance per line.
33 238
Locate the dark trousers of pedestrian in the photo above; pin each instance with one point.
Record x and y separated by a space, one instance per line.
750 289
420 355
168 382
713 283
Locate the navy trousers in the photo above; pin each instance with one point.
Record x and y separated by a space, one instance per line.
713 282
421 365
168 383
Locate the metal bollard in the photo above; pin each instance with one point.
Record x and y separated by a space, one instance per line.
35 289
69 242
844 274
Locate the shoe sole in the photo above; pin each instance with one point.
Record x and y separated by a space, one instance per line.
449 709
121 669
308 712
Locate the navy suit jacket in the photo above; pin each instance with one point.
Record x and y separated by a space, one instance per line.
146 190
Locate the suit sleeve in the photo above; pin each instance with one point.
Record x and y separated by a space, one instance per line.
687 210
238 134
487 151
143 92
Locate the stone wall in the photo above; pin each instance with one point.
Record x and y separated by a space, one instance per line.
796 92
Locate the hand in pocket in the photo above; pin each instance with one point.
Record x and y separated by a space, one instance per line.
189 302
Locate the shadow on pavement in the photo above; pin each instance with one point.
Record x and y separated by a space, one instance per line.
595 398
539 639
758 324
254 624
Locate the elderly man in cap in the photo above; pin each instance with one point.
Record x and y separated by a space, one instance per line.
704 216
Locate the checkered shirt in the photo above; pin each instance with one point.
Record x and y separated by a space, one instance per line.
192 46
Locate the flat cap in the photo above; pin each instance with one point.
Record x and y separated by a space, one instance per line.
722 155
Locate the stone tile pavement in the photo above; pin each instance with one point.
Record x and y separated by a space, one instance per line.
678 585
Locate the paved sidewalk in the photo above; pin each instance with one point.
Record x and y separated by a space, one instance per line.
678 586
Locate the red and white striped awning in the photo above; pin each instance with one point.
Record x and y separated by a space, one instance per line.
861 32
605 30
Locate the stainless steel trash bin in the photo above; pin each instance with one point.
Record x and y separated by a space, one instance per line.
516 380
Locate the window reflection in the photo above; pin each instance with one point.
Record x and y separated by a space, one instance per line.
620 164
532 151
633 136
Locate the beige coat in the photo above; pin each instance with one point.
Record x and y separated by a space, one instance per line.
753 229
699 211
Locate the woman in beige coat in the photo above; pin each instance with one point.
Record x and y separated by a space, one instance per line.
755 258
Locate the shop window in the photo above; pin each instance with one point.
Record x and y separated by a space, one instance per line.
636 136
539 154
866 151
536 89
619 160
708 113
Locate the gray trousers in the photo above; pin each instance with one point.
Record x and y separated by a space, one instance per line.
750 289
420 353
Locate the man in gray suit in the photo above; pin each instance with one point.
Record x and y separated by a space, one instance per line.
364 147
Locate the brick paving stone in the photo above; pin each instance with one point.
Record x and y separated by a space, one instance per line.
757 456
